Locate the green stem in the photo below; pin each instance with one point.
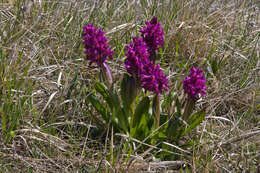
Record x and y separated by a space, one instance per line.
156 109
189 106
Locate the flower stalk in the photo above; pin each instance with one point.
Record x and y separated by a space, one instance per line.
188 108
156 109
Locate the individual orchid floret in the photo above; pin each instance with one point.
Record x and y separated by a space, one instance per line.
137 56
153 79
96 47
153 34
195 83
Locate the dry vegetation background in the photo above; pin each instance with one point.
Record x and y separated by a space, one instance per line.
44 79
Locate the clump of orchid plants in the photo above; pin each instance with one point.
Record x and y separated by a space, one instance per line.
135 109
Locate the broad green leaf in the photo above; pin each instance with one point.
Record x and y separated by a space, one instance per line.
119 112
100 88
258 107
162 135
115 99
175 124
174 129
167 102
178 105
123 91
99 107
122 116
119 117
128 91
141 109
194 121
163 118
142 130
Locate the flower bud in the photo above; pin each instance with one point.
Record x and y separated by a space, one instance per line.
107 74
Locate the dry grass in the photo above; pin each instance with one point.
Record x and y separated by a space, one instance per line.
57 131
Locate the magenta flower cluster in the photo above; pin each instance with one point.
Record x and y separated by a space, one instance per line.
153 34
153 79
137 56
138 62
195 83
96 47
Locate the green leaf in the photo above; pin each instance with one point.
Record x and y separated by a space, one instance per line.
115 99
178 105
163 118
100 88
119 117
142 130
141 109
128 91
258 107
123 91
99 107
167 101
174 129
194 121
119 113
